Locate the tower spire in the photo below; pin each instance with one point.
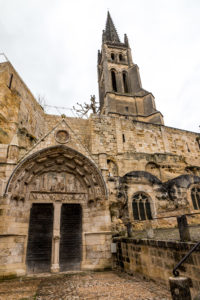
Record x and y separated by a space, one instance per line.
110 32
120 88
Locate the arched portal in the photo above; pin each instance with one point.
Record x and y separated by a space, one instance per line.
61 197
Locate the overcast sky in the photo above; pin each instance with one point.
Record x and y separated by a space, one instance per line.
53 46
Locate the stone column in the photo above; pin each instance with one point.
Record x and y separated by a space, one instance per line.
55 267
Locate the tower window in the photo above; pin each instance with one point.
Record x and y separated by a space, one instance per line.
126 108
112 56
121 57
125 84
141 207
123 138
114 82
195 195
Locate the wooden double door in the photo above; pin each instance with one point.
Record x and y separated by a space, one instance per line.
40 236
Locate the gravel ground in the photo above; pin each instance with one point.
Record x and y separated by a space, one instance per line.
81 286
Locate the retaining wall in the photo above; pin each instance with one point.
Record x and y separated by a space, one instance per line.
156 259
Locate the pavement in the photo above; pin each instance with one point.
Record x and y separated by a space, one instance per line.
108 285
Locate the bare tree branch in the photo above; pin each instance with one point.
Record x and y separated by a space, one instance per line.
84 109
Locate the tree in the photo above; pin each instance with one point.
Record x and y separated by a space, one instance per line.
41 100
84 109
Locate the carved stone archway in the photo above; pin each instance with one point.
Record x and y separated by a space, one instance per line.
61 175
56 159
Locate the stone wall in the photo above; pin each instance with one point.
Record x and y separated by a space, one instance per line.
156 259
20 113
12 255
21 119
134 144
74 180
130 156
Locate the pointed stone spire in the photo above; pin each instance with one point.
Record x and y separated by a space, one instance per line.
110 32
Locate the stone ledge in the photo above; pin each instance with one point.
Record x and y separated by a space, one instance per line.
177 245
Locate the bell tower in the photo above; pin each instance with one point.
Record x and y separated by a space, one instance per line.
120 88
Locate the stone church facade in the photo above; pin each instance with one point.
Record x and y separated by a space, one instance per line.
67 185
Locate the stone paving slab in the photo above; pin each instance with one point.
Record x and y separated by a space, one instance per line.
83 286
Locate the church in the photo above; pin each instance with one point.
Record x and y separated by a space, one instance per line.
68 185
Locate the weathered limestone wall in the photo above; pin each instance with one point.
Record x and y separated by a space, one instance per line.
156 259
132 145
20 113
115 145
21 120
57 175
12 255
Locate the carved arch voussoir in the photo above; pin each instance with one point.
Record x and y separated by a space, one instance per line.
50 165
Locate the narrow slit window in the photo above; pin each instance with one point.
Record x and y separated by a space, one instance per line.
141 209
10 82
188 149
198 142
125 84
148 210
114 82
123 138
135 210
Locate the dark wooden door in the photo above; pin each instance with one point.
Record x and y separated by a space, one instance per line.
71 237
40 238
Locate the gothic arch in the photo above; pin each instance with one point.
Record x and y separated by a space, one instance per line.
61 190
195 196
141 206
57 159
114 79
125 81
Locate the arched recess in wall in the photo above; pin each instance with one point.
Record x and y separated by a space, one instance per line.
112 56
56 184
112 168
121 58
141 203
113 80
56 169
125 81
153 168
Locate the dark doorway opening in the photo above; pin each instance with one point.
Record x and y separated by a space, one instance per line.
40 238
71 237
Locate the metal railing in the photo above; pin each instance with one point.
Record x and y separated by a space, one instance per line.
175 272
